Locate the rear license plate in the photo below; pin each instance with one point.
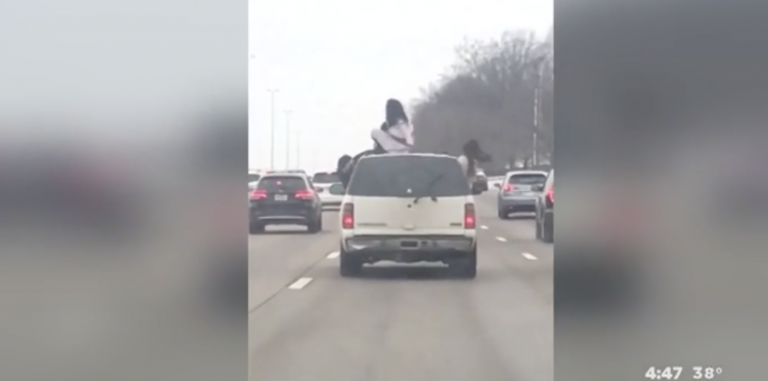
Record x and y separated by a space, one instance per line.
281 197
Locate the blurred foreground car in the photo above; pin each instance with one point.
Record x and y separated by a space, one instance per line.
519 192
481 183
408 208
75 189
545 209
284 199
603 240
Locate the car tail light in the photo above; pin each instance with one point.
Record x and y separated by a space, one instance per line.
469 216
304 194
551 195
508 187
348 216
258 194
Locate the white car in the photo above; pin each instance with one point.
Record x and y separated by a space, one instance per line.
408 208
331 196
329 188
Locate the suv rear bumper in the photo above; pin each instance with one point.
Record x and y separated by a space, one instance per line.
517 203
290 216
409 249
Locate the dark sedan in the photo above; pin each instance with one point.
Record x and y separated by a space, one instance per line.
284 199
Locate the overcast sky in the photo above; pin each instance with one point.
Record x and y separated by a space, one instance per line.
336 62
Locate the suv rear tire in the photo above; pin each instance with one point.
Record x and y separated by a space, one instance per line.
316 226
538 227
467 269
503 215
547 229
255 228
348 265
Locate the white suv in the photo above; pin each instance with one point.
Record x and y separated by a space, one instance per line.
408 208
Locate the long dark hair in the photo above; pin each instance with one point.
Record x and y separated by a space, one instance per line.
395 113
474 155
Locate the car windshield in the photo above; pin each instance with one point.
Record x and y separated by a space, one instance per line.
277 183
325 178
408 176
527 178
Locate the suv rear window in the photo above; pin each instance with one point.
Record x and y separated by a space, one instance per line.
408 176
253 177
325 178
275 183
527 179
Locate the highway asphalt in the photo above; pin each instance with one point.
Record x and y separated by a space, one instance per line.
404 324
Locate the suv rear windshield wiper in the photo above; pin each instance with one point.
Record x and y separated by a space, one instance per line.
428 190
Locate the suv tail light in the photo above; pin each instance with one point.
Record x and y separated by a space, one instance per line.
551 196
508 188
304 194
258 194
348 216
469 216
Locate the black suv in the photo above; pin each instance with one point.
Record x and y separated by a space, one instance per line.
545 209
284 199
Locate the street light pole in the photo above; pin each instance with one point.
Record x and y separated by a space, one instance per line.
272 93
536 127
298 148
288 139
537 107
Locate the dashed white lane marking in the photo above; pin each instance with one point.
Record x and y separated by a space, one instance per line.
529 256
483 227
501 239
333 255
300 283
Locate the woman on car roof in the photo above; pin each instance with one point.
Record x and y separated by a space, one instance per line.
471 155
395 135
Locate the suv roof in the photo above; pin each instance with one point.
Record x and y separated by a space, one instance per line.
527 172
286 174
290 179
287 171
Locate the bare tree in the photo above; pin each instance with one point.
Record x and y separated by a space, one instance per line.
490 95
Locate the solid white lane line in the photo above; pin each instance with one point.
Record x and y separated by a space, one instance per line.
529 256
483 227
300 283
332 255
501 239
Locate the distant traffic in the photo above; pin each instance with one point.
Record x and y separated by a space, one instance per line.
293 197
